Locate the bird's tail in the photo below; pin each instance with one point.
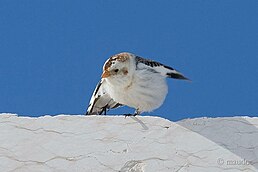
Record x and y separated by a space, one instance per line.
177 75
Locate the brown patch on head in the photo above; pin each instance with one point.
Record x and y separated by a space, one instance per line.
108 64
118 57
122 57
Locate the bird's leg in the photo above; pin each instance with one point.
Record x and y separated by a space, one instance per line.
105 111
137 112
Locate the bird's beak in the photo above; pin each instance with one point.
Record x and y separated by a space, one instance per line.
105 74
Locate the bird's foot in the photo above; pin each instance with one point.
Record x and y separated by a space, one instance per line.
126 115
137 112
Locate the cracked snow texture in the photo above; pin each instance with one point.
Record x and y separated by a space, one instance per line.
134 144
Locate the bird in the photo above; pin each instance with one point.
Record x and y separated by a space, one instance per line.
133 81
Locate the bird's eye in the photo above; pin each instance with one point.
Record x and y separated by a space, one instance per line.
116 70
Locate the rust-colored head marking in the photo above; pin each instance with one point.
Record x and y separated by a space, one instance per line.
118 57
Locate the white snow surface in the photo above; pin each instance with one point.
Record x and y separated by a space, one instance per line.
76 143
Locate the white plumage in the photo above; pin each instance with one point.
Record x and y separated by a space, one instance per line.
133 81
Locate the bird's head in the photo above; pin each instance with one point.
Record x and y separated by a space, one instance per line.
118 66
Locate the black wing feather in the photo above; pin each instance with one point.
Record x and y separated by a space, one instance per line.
101 101
166 71
151 63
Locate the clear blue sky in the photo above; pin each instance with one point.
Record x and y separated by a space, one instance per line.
52 53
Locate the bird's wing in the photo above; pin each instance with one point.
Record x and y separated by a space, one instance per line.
167 71
100 100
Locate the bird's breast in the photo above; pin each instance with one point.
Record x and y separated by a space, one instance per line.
144 92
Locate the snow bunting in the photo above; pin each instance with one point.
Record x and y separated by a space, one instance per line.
133 81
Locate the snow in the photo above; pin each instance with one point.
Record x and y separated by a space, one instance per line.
133 144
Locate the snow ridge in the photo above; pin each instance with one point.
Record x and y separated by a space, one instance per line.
134 144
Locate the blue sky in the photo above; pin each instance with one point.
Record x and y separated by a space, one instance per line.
52 53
